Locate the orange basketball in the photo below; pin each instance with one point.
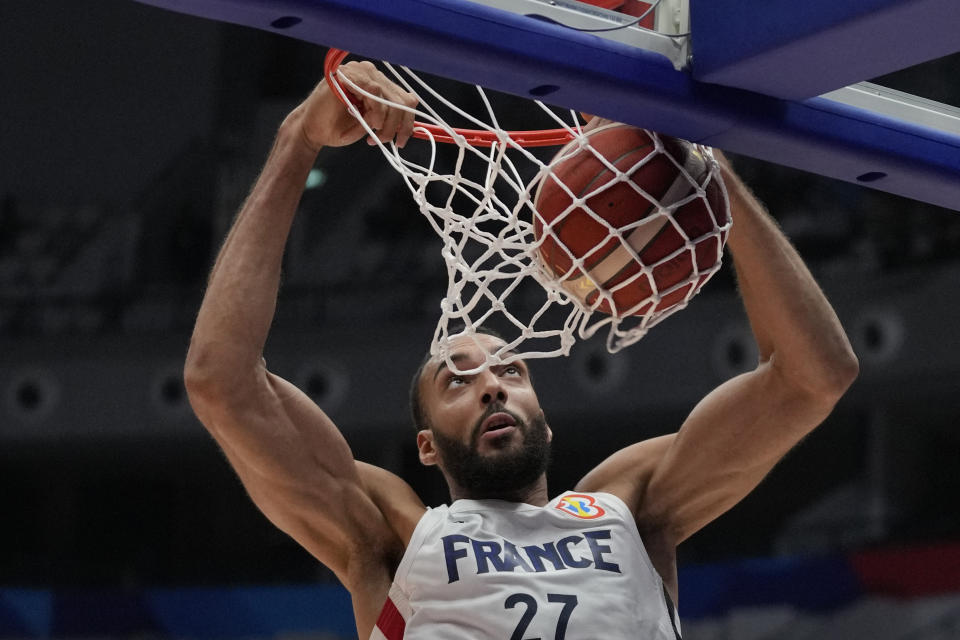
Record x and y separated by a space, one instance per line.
672 220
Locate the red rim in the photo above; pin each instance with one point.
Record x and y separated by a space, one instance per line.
474 137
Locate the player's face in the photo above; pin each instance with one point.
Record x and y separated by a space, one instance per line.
487 429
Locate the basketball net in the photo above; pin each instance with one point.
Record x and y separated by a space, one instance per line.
486 217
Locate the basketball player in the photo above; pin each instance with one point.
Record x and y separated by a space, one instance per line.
504 560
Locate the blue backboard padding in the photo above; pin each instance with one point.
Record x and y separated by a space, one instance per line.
515 54
481 45
797 50
846 143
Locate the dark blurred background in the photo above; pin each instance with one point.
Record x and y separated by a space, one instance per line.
130 135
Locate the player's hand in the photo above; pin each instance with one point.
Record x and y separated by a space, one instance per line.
325 121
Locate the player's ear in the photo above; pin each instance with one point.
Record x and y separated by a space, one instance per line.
428 454
546 425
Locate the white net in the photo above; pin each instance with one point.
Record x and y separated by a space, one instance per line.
617 230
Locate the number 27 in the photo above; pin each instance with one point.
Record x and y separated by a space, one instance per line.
568 601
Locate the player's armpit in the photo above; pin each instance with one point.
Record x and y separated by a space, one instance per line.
626 473
728 444
395 499
297 467
305 517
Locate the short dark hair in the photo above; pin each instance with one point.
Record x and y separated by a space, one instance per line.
416 406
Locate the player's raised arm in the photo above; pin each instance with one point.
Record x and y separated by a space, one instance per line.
676 484
293 461
735 435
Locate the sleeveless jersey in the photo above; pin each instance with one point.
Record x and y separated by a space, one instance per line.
575 569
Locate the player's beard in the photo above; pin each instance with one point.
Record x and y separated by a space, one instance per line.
502 474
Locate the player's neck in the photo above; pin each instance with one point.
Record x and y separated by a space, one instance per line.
535 494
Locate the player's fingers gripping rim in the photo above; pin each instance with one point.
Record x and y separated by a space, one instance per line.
407 122
365 76
378 95
399 115
375 112
394 121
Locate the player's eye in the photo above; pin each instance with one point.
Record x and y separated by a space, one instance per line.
456 381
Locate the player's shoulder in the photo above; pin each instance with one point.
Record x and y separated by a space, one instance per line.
396 500
626 473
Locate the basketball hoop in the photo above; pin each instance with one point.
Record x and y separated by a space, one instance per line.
454 135
484 208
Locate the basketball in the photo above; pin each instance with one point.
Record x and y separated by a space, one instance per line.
647 227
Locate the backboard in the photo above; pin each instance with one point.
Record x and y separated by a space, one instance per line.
763 79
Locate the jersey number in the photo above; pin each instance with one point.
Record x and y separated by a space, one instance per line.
530 604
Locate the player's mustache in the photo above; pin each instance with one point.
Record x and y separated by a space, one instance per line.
495 407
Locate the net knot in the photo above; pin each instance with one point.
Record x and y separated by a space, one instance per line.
511 265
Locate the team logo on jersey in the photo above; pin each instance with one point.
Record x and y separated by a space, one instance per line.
580 506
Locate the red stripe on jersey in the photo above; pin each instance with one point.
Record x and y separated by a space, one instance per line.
391 622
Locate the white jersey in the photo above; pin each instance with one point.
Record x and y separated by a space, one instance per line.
575 569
